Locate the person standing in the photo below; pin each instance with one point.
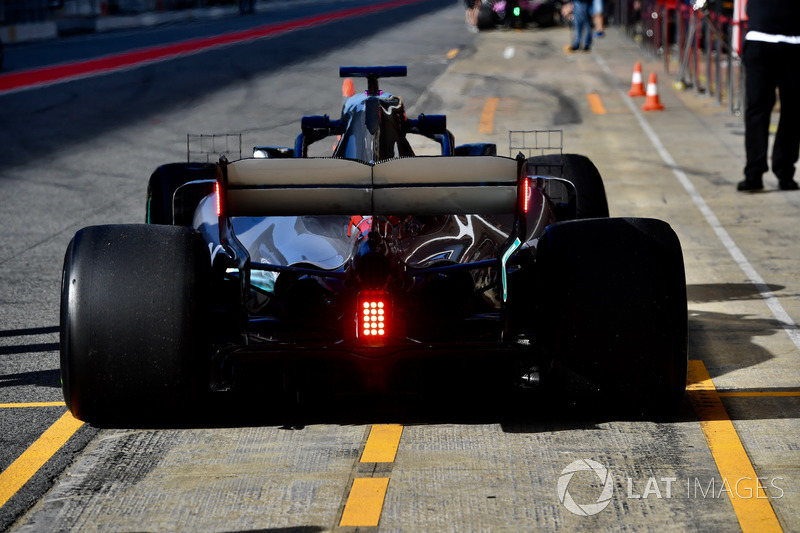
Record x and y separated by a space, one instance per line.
581 23
771 58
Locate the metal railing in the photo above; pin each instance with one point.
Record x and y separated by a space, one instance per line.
696 44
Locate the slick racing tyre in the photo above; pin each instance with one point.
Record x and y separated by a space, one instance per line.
617 318
547 15
132 312
486 17
161 188
591 201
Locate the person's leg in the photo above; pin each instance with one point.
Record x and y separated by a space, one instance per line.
759 100
580 23
597 15
587 44
787 139
472 12
577 24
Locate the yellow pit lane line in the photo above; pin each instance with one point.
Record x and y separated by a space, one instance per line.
365 501
755 513
487 115
596 104
382 443
20 471
31 404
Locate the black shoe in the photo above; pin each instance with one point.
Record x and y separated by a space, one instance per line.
788 185
750 185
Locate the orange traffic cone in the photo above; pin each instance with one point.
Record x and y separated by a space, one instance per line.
652 103
637 87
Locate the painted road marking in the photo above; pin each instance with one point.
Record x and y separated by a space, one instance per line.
382 443
755 513
596 104
38 77
20 471
487 115
365 503
32 404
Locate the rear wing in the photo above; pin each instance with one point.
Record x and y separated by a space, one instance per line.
405 186
413 186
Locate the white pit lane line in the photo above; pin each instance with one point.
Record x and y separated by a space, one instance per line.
754 277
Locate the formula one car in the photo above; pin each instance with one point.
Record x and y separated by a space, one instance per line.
518 13
373 271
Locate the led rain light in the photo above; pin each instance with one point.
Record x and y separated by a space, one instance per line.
373 314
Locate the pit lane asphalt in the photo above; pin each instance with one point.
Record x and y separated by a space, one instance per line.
454 470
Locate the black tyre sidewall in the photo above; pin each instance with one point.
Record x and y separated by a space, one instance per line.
591 193
486 17
546 16
65 326
618 321
132 319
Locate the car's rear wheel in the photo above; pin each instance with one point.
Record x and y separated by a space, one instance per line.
161 188
132 313
617 318
486 17
546 15
591 194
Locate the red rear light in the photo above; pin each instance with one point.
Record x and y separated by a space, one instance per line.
219 199
526 195
373 316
